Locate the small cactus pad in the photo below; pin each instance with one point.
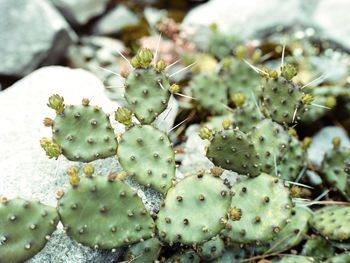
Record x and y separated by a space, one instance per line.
246 117
121 216
147 94
211 249
334 166
283 100
318 247
231 254
257 198
188 256
146 153
295 259
144 251
84 133
210 92
332 222
178 219
271 142
232 150
342 258
25 227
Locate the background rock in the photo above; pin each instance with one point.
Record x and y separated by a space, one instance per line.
32 33
80 11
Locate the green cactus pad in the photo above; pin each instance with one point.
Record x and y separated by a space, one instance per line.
271 141
211 249
221 44
342 258
188 256
265 209
146 153
147 94
121 216
232 254
332 222
293 161
333 167
84 133
295 259
145 251
25 227
246 117
194 210
281 99
210 92
318 247
232 150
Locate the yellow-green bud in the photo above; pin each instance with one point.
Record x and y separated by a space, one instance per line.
288 71
74 180
226 62
226 124
123 115
241 52
56 102
234 213
306 143
331 101
205 133
256 56
72 171
88 170
160 65
214 27
174 89
336 142
135 62
238 99
293 132
307 99
273 74
52 149
145 57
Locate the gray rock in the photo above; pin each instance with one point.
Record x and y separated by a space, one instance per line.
32 33
114 21
80 11
322 142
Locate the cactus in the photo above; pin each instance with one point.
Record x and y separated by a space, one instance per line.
178 217
25 227
211 249
232 150
342 258
318 247
246 117
295 259
334 168
332 222
220 44
146 154
147 88
121 216
81 132
231 254
256 198
188 256
144 251
271 142
209 98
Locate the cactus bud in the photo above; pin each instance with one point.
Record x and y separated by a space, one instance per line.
238 99
241 52
174 89
306 143
56 102
213 27
256 56
226 124
288 71
205 133
234 213
293 132
122 175
124 73
85 102
145 57
72 171
74 180
307 99
160 65
88 170
273 74
123 115
336 142
47 122
330 102
226 62
216 171
135 62
52 149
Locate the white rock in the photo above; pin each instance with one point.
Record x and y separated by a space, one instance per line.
32 33
80 11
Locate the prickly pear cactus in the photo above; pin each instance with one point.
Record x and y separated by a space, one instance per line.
121 216
221 44
211 249
146 154
82 132
232 254
332 222
144 251
188 256
233 150
342 258
147 87
295 259
334 166
209 98
271 142
178 219
318 247
25 227
254 199
246 117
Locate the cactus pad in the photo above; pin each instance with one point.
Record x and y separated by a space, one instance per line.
144 251
246 117
25 227
147 94
84 133
257 198
146 153
318 247
178 219
188 256
121 216
211 249
295 259
232 150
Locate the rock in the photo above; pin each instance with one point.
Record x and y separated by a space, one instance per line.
331 17
114 21
79 12
33 33
322 142
27 172
246 18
